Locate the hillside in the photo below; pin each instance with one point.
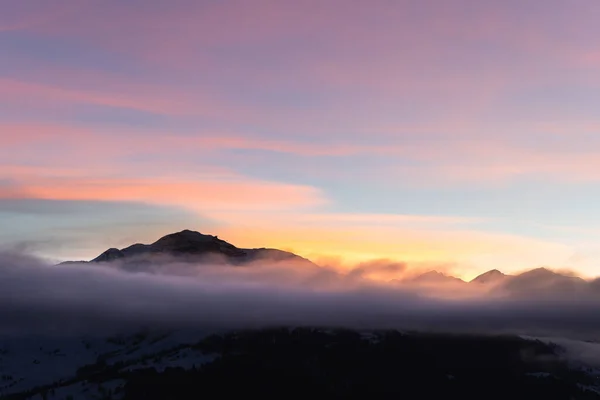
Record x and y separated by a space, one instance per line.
271 363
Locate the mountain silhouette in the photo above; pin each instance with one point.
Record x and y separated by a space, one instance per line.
544 280
189 245
181 243
535 281
493 276
192 246
434 277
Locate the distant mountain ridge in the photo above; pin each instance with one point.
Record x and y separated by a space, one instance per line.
538 280
495 276
492 276
432 277
193 246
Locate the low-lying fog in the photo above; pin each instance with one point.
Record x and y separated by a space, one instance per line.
100 298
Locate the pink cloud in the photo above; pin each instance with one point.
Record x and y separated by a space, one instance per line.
199 195
467 158
25 15
385 47
282 146
102 142
492 162
144 98
590 59
368 65
352 221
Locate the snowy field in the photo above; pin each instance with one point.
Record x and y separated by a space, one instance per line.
28 362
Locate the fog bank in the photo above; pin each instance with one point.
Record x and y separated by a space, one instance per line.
102 298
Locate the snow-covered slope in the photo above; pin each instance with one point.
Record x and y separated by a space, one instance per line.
29 362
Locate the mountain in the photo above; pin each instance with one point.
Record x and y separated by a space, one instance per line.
543 280
493 276
182 243
536 281
434 277
194 246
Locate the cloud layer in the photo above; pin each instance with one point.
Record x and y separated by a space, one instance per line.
37 297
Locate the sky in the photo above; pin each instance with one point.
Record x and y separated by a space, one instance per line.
454 133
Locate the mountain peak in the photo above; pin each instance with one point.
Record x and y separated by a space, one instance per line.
192 242
188 245
434 276
540 272
187 234
544 279
109 255
493 275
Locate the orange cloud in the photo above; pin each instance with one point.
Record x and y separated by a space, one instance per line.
198 195
352 220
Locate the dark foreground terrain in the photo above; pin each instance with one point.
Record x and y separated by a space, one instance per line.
388 365
314 363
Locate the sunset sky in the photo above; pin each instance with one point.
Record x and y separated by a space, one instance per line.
464 134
